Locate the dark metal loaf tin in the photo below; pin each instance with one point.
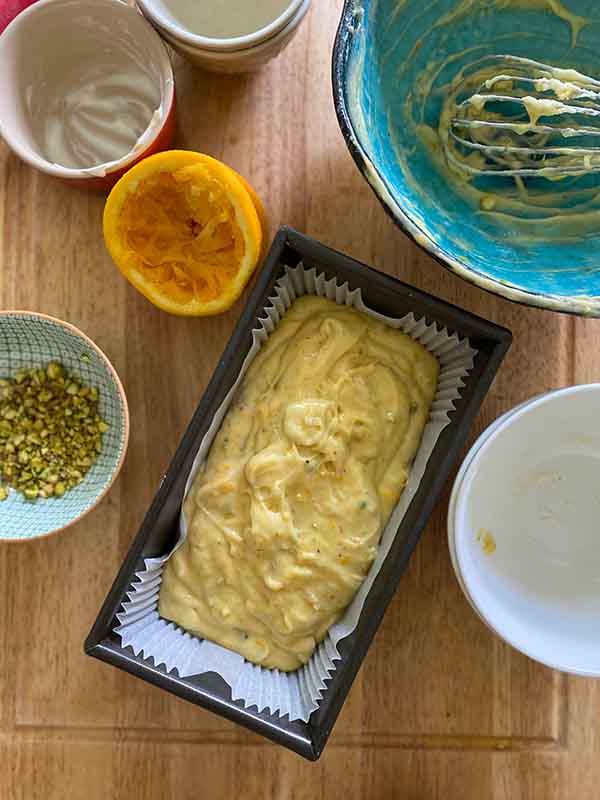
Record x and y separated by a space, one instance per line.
159 528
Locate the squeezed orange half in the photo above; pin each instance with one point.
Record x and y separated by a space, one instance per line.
186 230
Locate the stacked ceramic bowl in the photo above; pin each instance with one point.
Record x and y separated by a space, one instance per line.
235 53
524 528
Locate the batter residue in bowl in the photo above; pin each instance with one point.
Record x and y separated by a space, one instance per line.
486 540
524 205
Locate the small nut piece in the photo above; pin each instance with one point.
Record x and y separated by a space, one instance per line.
50 432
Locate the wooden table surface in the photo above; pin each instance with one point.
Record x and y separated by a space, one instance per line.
441 708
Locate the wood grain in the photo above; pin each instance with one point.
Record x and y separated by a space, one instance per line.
441 710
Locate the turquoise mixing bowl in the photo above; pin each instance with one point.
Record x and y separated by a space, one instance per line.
393 61
31 340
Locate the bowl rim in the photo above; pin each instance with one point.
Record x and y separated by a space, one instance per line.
464 468
126 419
478 450
241 54
349 25
220 44
147 139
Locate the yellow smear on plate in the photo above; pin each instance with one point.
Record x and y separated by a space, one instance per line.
487 541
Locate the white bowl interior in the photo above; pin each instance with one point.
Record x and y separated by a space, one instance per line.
53 39
455 494
534 485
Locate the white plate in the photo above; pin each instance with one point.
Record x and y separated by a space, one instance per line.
456 490
534 484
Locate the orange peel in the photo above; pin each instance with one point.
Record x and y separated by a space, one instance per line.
185 230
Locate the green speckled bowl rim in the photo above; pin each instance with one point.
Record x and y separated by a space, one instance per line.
347 28
125 406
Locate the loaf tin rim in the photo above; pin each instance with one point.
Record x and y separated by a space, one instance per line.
209 691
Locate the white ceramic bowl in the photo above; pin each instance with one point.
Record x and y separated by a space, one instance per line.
458 482
69 33
158 12
533 481
456 492
242 54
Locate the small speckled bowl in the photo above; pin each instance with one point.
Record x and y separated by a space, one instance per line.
392 61
30 340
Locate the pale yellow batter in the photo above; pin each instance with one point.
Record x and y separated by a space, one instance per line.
285 517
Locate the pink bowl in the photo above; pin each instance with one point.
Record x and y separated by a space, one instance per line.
9 10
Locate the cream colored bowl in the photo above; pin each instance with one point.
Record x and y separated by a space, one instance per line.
240 54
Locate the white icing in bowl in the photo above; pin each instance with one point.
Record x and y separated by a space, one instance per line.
85 86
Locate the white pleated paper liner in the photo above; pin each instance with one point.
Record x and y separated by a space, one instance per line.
295 694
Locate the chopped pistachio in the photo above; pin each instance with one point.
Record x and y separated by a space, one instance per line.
50 431
54 370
